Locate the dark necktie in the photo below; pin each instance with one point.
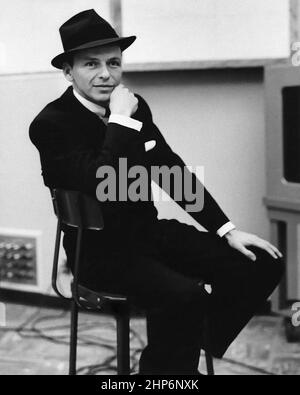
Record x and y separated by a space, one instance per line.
106 116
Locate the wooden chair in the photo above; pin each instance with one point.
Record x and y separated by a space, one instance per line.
82 212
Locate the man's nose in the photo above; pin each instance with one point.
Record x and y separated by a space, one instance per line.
104 73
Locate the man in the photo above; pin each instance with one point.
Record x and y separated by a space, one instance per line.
158 264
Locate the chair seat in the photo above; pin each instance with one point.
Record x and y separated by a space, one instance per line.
97 300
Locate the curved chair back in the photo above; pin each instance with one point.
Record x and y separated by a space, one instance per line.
78 210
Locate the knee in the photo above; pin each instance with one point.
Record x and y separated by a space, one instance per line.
190 300
268 266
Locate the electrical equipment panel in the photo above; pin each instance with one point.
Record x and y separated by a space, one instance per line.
19 260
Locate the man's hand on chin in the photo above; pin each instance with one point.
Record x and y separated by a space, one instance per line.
123 101
241 240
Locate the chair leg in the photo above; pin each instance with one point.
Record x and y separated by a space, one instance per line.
209 364
123 343
208 356
73 338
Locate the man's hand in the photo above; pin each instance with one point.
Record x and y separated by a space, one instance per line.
240 240
123 102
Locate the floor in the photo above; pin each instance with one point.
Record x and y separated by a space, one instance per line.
34 341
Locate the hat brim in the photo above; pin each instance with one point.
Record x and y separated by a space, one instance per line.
122 42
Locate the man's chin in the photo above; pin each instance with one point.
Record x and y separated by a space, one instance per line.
102 99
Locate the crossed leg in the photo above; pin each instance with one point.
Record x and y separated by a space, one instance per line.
239 286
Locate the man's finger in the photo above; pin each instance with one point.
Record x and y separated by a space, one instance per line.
271 252
249 254
267 247
275 250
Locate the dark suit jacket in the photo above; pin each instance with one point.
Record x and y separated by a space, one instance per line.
73 143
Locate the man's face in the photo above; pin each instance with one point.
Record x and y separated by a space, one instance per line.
96 72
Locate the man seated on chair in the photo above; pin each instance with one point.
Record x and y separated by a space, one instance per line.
159 264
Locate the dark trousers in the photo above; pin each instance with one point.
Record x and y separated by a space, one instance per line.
164 280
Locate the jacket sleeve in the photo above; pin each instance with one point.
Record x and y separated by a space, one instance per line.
74 167
210 214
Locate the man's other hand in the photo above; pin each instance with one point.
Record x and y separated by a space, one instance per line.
241 240
123 102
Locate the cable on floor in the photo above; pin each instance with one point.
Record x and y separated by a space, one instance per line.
33 327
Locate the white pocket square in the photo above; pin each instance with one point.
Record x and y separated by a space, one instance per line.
150 145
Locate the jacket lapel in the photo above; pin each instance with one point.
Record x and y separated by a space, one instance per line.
83 118
69 102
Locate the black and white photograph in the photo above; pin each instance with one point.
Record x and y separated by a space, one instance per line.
150 190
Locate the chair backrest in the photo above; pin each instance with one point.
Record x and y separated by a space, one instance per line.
77 209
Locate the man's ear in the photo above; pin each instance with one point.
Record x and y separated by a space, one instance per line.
67 70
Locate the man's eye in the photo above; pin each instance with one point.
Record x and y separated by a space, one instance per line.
90 64
115 63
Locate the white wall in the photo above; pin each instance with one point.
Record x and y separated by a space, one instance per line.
207 30
29 36
24 202
211 118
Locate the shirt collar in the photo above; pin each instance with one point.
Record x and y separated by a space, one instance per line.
93 107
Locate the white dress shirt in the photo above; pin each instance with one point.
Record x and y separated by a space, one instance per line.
136 125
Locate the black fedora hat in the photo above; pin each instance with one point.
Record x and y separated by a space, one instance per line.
87 30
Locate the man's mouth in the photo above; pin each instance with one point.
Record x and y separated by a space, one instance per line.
104 86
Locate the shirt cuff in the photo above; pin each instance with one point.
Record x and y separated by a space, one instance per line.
225 229
126 121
